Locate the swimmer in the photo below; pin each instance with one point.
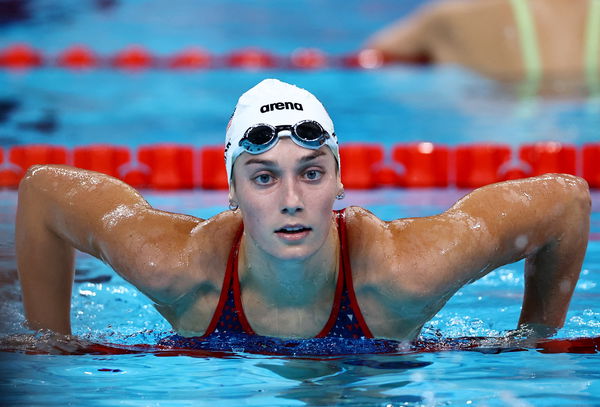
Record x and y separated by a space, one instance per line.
281 262
554 44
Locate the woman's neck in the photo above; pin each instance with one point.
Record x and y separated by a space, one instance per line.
284 283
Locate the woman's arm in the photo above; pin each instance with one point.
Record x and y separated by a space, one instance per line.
543 219
61 209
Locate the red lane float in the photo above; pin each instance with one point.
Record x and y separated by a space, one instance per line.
103 158
480 164
213 174
9 175
550 156
387 176
512 173
359 161
20 158
251 58
28 155
366 59
193 58
134 57
308 58
425 164
136 176
20 56
171 166
591 164
78 57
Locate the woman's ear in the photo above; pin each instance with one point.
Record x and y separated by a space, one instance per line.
340 185
232 196
233 202
340 190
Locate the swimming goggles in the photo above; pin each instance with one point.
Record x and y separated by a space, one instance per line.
262 137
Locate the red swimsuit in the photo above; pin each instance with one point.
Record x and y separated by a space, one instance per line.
345 320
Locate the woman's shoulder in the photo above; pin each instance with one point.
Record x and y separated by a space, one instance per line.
375 243
359 219
219 230
364 230
213 239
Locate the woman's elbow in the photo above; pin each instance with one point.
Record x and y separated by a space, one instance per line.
571 202
29 178
31 187
583 194
38 178
575 192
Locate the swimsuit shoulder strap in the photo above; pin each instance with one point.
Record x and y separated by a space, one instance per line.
346 319
229 315
347 271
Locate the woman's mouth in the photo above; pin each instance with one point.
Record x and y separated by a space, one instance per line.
293 232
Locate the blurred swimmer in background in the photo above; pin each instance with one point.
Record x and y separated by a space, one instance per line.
549 46
281 262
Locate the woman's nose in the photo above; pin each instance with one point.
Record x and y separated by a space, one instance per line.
291 200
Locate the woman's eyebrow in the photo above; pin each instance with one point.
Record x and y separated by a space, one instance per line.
268 163
312 156
271 163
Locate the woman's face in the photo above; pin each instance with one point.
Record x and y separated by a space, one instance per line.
286 196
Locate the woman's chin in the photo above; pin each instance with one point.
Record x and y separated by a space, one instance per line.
295 252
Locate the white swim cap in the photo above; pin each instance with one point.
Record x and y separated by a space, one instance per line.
274 103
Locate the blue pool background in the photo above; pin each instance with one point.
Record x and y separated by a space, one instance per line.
390 105
399 103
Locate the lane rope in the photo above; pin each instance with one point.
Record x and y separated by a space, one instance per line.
364 165
137 57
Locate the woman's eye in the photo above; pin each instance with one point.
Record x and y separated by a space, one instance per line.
263 179
312 175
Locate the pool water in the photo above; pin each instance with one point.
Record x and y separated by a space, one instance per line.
391 105
107 310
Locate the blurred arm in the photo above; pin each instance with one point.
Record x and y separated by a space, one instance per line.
406 39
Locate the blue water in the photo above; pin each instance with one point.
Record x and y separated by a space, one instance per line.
106 309
388 106
395 104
